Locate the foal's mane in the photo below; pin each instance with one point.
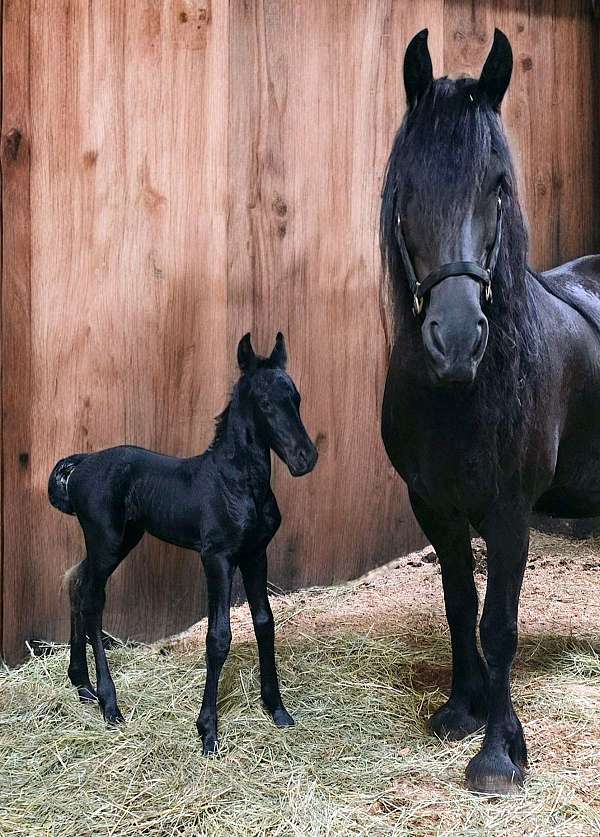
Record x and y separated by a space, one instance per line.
441 154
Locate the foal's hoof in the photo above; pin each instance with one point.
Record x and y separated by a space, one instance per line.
282 717
113 717
453 723
87 694
494 774
210 745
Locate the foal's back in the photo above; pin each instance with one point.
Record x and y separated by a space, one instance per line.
159 494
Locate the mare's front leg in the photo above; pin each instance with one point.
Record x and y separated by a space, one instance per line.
498 767
254 573
219 576
466 710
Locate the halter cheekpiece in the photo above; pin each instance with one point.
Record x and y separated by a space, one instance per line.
475 271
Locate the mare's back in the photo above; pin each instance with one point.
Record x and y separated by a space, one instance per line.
577 283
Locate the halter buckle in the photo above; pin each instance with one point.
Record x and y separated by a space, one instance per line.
417 301
488 289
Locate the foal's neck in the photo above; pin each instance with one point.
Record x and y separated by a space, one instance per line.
243 444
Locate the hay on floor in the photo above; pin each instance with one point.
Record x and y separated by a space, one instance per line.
359 760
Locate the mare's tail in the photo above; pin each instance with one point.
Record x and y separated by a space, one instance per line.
58 483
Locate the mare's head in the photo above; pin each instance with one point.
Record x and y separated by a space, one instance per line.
277 404
450 218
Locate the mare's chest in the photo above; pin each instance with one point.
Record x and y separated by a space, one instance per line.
446 455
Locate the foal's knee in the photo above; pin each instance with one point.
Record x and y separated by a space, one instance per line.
218 642
263 620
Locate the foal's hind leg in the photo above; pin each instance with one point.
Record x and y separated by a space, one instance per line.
219 576
78 668
103 559
254 573
466 710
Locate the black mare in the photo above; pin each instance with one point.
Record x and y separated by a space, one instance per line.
219 503
492 400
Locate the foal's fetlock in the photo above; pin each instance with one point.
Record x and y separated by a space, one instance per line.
273 704
85 690
282 717
207 730
87 694
113 716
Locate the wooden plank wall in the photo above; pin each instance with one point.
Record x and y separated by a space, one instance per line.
176 173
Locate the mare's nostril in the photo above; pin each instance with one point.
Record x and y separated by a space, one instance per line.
480 337
436 338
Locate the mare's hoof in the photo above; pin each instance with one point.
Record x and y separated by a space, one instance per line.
494 773
453 723
210 745
282 717
113 717
87 694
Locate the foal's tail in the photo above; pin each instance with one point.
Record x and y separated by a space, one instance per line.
58 483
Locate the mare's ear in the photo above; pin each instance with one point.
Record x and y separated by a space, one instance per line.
497 70
418 71
245 354
279 353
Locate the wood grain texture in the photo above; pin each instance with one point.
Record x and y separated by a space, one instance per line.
18 560
124 330
187 171
549 111
317 115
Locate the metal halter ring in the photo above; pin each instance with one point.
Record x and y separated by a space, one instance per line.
417 301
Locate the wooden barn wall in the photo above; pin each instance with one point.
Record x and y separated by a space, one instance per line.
177 173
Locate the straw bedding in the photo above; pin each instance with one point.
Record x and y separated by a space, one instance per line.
362 666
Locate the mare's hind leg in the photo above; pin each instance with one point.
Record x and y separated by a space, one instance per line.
219 576
466 710
254 573
104 556
78 668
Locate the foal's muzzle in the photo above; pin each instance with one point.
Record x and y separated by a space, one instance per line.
303 461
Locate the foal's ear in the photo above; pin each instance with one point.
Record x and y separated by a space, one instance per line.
418 71
245 354
497 70
279 353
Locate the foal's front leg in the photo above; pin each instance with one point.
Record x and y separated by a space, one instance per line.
254 573
219 576
498 767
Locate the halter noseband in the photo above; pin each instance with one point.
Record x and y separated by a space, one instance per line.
472 269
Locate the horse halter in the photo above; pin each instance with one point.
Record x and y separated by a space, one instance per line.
473 270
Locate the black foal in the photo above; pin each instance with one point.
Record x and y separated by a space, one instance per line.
219 503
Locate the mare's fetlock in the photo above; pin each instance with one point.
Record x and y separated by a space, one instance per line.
455 720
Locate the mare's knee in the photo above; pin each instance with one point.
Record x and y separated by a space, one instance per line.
498 640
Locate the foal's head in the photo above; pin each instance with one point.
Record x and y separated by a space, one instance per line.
450 213
277 404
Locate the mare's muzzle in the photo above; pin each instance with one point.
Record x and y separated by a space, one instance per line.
455 336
